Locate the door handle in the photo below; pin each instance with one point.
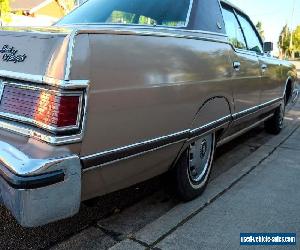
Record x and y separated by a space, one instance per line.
264 67
237 66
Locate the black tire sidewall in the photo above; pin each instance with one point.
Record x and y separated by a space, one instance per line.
274 125
186 188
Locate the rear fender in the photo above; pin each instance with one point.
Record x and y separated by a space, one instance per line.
213 110
213 116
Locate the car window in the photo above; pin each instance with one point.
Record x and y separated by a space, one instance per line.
122 17
233 29
253 42
142 12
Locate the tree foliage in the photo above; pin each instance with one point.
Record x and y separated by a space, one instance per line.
296 39
287 47
284 41
5 11
260 30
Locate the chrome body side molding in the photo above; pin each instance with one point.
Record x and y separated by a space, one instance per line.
243 131
132 150
118 154
255 109
194 133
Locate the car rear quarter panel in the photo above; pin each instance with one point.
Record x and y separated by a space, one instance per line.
143 87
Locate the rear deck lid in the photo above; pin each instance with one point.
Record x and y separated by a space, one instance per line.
30 51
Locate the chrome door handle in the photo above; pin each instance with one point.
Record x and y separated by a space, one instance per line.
237 66
264 67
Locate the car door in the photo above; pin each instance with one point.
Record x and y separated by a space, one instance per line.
246 68
270 82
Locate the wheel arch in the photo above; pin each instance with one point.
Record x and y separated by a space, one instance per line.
213 109
214 115
288 89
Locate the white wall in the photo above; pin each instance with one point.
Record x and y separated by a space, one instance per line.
18 20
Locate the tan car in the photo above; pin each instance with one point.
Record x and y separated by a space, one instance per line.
120 91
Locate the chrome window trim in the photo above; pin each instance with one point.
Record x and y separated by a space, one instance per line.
205 32
237 50
221 9
31 121
187 21
245 51
158 34
120 28
145 31
232 6
71 47
237 11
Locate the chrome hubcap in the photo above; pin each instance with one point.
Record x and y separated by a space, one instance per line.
199 157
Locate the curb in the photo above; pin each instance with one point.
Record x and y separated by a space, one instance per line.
153 233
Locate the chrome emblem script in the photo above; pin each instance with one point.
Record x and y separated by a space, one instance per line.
10 54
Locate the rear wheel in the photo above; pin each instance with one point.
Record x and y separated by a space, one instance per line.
193 168
275 124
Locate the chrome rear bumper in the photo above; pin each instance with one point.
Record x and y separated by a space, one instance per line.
39 191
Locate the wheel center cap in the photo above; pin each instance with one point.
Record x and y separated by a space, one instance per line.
203 149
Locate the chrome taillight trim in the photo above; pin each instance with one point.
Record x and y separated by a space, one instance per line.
30 131
22 129
30 121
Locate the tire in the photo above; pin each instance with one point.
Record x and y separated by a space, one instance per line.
193 168
276 123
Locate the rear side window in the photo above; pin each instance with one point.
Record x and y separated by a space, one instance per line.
233 29
136 12
252 39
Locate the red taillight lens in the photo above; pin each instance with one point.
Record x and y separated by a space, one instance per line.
48 109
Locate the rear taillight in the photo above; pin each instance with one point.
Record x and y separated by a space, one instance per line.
49 109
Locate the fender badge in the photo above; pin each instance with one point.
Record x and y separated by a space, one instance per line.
10 54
